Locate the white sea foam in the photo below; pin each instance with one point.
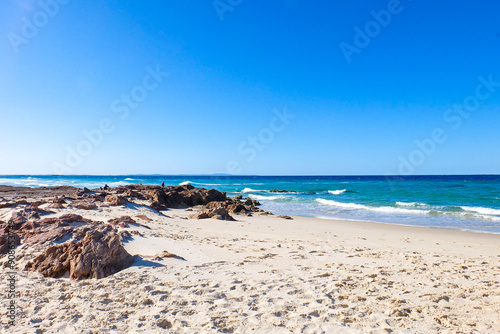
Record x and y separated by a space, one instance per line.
481 210
250 190
199 184
414 204
337 192
129 179
386 209
265 198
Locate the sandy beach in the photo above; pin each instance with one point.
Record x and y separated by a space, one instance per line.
266 274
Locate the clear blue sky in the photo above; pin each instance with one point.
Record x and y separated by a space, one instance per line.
225 77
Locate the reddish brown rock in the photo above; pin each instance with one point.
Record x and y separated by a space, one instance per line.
97 255
84 205
30 225
158 206
230 205
115 200
124 235
217 213
199 215
184 196
8 240
123 221
144 217
51 235
17 219
284 217
73 218
58 201
265 213
65 219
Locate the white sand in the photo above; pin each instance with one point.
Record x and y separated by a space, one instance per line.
269 275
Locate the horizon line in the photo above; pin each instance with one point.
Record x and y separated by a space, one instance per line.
261 175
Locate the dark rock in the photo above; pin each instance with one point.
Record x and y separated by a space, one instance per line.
284 217
124 235
185 196
282 191
4 240
251 202
158 206
7 205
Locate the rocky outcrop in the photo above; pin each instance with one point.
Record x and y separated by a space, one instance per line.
56 233
115 200
93 249
97 255
84 205
122 221
251 202
4 238
144 217
215 213
282 191
183 196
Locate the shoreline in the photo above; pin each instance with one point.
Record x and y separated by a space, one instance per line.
63 188
263 273
406 225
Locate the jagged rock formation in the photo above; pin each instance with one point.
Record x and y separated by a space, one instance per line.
93 249
97 255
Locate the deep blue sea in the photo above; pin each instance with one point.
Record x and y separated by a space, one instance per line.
451 202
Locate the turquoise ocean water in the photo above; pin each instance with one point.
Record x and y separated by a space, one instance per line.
452 202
